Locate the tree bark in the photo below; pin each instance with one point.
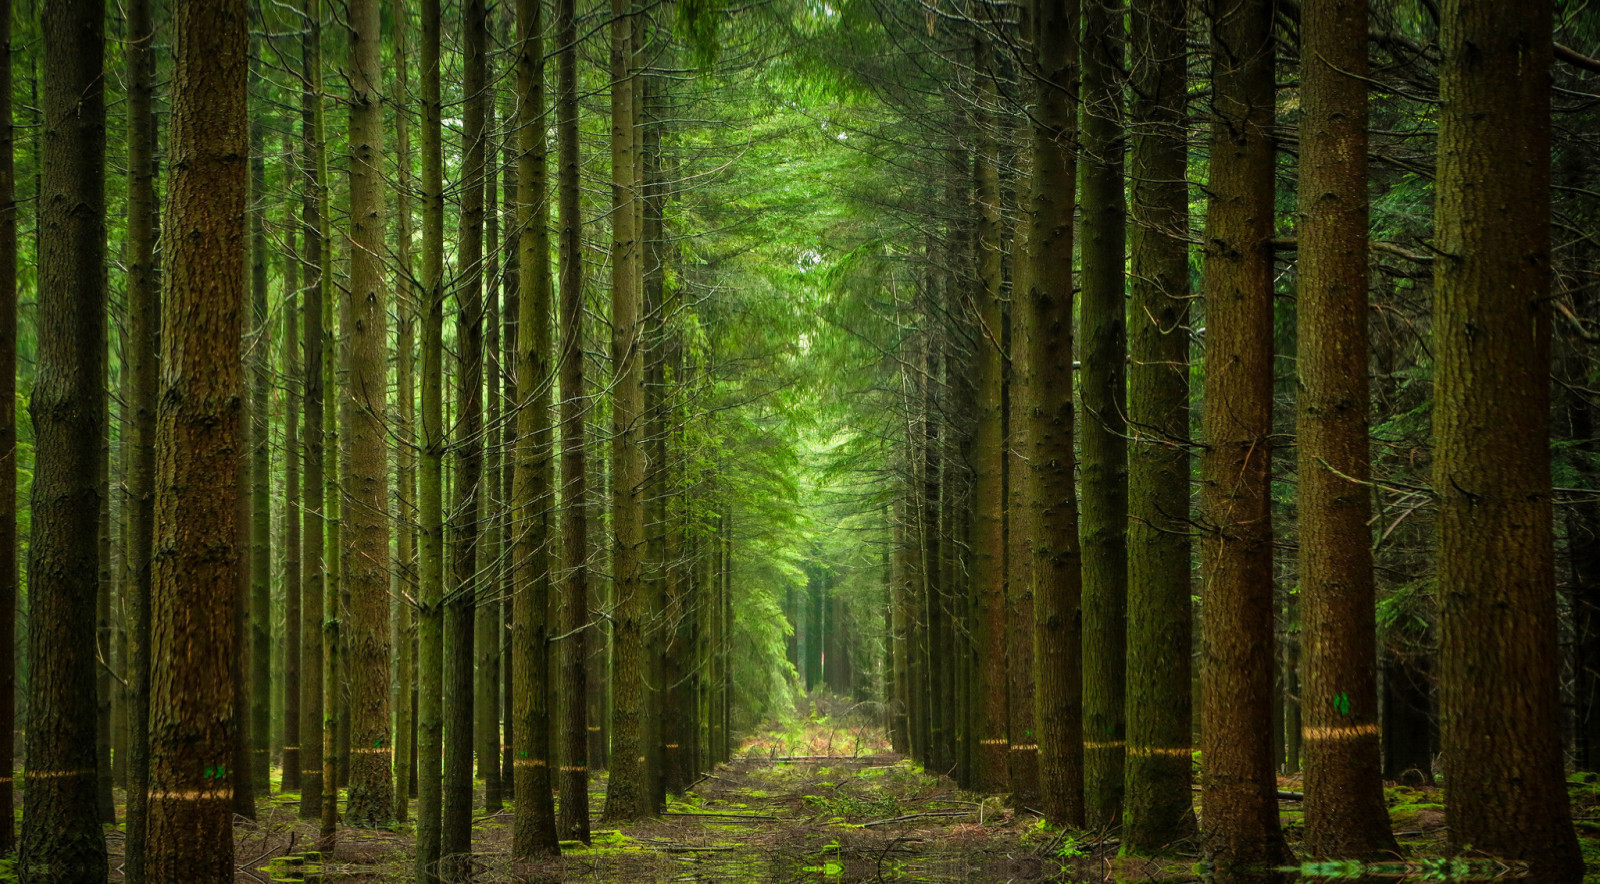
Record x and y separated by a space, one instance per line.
1239 791
61 835
200 442
1345 814
572 651
534 832
1158 807
1499 679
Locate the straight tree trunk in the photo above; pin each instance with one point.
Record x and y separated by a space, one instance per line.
366 650
294 380
534 832
200 443
143 355
467 500
491 564
407 301
628 793
1499 678
1239 791
1158 807
258 351
61 834
1022 519
430 611
572 651
988 508
1044 311
1103 345
1345 814
313 545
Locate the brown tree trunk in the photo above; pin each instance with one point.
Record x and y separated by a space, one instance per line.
200 436
61 833
1158 807
8 441
1239 791
1344 813
366 646
1499 678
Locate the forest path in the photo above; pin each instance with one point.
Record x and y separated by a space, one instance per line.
827 800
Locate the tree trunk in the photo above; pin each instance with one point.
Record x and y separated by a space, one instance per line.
144 338
628 793
405 568
430 611
313 545
1345 814
491 564
294 381
1239 790
1499 685
8 429
61 822
1158 808
1105 452
467 501
534 833
200 439
988 509
366 647
572 650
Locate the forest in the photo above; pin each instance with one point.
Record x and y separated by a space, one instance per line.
799 440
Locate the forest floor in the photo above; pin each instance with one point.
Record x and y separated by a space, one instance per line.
828 801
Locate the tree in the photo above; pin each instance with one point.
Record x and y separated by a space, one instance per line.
258 355
8 440
61 836
365 319
1491 469
1048 308
535 828
430 485
143 357
1238 789
573 822
200 440
468 502
313 545
1158 808
1345 811
989 442
405 570
628 793
1105 451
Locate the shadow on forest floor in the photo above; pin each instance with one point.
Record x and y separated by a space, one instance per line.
828 802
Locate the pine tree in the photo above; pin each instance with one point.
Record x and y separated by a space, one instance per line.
1497 612
200 446
61 835
1345 811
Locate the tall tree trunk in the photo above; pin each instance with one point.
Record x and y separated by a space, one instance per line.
294 381
534 833
1499 679
1239 792
366 649
572 651
1158 808
259 350
1022 519
144 338
1044 311
313 545
628 793
988 508
200 439
1345 813
467 500
491 564
407 300
1103 346
61 834
430 611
